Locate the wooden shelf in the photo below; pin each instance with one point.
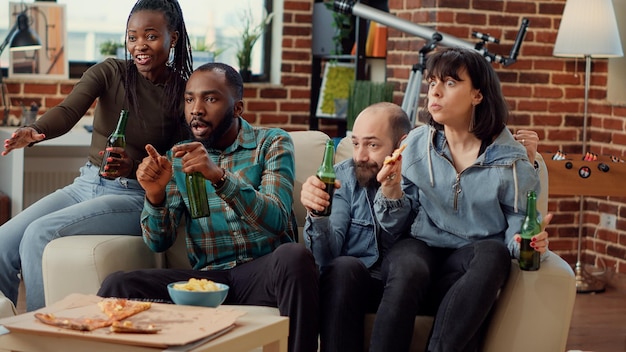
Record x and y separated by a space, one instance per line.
564 177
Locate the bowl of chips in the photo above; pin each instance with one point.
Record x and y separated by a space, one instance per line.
198 292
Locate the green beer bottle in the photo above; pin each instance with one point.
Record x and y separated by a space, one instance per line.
116 139
326 173
528 256
196 191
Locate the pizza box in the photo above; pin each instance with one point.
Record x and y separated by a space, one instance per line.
180 325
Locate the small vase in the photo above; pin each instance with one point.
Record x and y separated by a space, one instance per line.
246 75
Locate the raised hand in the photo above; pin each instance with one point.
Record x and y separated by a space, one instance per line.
21 138
153 174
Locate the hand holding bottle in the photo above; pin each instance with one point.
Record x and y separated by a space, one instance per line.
117 163
195 158
153 174
540 241
314 196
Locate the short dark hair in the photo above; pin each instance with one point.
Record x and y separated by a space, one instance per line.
492 113
233 78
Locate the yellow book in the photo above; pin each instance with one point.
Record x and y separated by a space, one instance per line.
371 37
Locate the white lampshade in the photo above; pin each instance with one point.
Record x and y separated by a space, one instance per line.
588 28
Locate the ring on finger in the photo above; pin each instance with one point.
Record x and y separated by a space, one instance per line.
391 177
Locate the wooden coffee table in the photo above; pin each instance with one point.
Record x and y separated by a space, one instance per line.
259 329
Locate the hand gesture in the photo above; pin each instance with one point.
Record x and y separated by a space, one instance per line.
21 138
314 195
540 240
153 174
389 177
194 158
117 162
529 140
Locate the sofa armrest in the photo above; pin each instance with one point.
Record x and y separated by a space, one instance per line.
534 310
79 264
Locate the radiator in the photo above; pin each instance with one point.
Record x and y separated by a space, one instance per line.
40 184
44 175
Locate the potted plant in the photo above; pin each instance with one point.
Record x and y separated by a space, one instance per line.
109 48
203 53
249 35
343 28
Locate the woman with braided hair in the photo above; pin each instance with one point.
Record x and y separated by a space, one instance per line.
147 85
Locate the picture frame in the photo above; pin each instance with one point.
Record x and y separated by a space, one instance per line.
335 86
48 21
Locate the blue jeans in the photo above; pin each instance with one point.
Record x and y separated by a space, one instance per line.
348 292
90 205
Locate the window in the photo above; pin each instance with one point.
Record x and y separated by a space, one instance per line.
213 24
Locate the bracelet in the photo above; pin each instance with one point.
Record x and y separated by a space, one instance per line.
221 181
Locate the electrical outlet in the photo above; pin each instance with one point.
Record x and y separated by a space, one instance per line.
608 221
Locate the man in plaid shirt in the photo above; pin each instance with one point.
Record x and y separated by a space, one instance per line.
246 242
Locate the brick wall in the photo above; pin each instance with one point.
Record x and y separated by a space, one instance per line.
545 93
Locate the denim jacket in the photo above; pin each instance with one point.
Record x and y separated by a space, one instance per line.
351 229
449 209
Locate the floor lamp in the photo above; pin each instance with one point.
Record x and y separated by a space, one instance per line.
588 29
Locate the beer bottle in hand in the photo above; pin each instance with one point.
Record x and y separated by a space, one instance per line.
326 173
196 191
528 256
116 139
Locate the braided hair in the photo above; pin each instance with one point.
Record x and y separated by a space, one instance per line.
181 62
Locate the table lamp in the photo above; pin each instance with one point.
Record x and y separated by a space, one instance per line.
588 29
21 38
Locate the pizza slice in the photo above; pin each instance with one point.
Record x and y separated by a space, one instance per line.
79 324
395 155
118 309
128 326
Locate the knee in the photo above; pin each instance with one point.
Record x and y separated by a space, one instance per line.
295 258
345 269
111 285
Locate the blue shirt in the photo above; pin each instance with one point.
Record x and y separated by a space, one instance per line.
450 209
351 229
250 212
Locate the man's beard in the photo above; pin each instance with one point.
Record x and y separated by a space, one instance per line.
366 173
218 132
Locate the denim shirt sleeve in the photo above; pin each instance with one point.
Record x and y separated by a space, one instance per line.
395 216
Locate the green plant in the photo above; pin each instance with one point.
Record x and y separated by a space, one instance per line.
110 47
343 27
249 35
200 45
363 94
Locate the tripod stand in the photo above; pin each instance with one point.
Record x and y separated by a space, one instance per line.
410 103
411 98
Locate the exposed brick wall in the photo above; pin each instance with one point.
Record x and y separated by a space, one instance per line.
545 93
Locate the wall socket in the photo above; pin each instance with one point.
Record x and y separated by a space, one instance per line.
608 221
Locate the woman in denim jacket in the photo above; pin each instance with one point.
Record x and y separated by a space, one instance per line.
462 197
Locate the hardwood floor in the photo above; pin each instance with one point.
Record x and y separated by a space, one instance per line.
599 319
598 322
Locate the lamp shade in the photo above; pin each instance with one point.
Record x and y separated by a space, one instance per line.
25 38
588 28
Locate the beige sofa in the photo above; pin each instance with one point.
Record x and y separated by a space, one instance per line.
533 311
